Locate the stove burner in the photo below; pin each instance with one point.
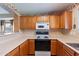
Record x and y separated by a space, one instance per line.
46 37
42 36
38 37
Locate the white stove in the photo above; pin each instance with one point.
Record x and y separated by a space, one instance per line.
42 43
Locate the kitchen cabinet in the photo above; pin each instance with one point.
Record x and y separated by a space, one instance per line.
66 20
42 18
64 50
69 20
46 18
33 23
23 23
53 47
24 49
59 48
54 21
31 47
76 54
62 22
14 52
67 51
28 22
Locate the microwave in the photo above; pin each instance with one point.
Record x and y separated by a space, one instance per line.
42 25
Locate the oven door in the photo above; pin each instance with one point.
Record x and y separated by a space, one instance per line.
42 45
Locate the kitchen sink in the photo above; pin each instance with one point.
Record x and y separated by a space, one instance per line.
74 45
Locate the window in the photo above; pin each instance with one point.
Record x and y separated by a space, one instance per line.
6 26
0 26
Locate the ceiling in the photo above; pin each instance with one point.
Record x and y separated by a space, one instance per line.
40 8
3 11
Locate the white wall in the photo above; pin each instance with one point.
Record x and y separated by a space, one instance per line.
75 20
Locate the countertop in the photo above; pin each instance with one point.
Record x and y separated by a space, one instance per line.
10 42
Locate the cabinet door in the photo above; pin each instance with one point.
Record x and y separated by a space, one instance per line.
40 19
14 52
24 22
54 47
66 20
62 21
33 22
57 22
69 20
54 21
46 18
31 46
59 48
67 51
24 48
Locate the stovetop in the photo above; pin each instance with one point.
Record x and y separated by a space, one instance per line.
42 36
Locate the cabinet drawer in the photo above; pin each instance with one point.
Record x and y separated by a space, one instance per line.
53 47
69 50
66 53
31 46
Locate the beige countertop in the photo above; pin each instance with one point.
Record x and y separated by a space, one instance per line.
10 42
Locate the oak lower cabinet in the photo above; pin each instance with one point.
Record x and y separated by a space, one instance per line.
59 48
76 54
31 47
15 52
67 51
24 49
53 47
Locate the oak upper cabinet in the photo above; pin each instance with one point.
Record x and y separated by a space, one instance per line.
31 46
24 22
69 20
14 52
62 21
24 48
66 20
54 21
33 22
42 18
46 18
53 47
27 22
